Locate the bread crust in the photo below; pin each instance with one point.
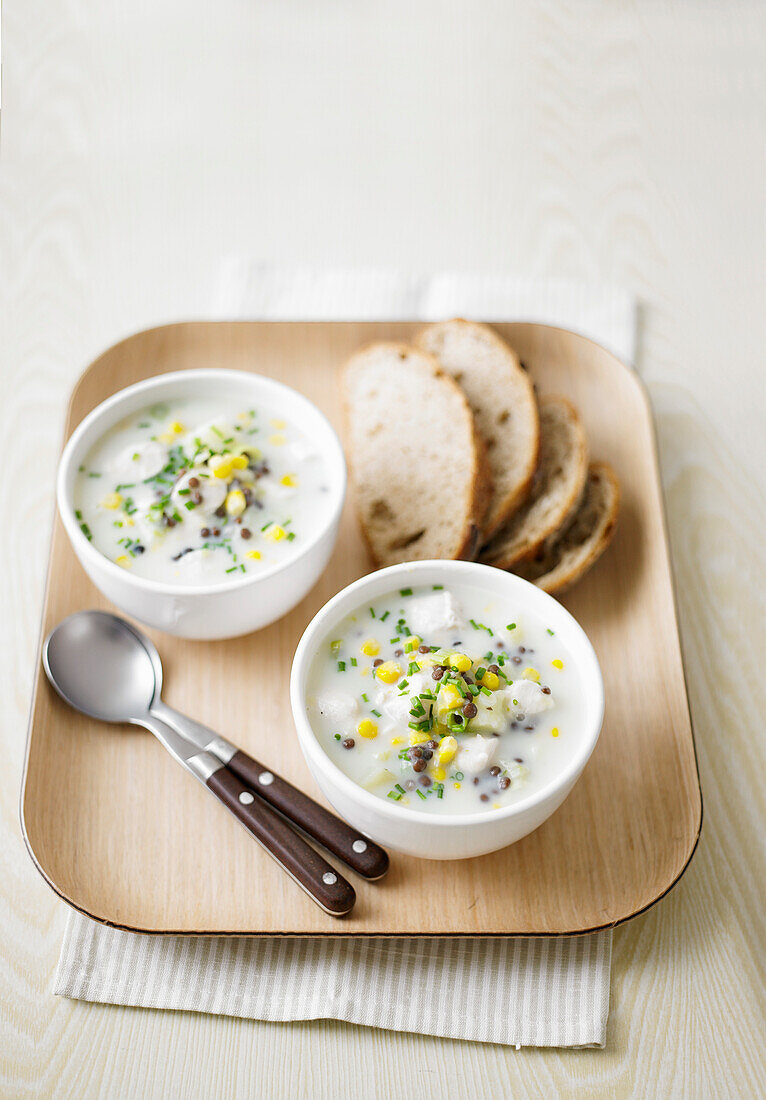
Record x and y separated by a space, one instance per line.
506 554
500 508
558 579
480 491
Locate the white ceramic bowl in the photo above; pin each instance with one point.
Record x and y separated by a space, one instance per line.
446 836
230 607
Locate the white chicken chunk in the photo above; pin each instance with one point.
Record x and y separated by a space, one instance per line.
428 614
397 706
491 715
211 489
530 698
337 706
476 753
138 462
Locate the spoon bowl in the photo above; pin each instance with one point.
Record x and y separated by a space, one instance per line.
99 666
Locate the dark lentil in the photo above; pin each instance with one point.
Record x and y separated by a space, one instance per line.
378 661
420 766
503 782
194 483
424 649
484 797
245 532
494 770
494 668
546 691
437 672
205 532
348 743
470 710
425 780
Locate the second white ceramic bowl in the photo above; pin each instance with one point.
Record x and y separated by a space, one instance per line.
231 607
445 836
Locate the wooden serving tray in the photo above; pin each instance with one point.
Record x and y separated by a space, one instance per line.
123 834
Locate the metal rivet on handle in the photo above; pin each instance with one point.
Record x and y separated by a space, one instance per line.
359 846
265 778
246 798
329 878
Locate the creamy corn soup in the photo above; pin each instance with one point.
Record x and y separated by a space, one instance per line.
199 492
445 700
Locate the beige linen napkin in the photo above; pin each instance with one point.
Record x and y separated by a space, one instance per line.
524 992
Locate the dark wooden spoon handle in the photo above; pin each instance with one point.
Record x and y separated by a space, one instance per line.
361 854
320 881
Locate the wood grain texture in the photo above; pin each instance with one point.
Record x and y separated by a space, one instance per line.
620 142
621 839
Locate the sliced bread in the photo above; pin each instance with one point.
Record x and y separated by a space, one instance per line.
556 488
418 465
566 556
502 400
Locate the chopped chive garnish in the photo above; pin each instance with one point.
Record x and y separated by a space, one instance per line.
267 525
365 696
413 668
549 631
405 591
480 672
375 712
335 646
485 691
511 626
395 795
86 531
384 616
78 515
420 794
189 505
403 684
372 612
336 736
437 587
459 776
488 656
92 473
231 569
353 661
290 536
341 666
184 492
399 788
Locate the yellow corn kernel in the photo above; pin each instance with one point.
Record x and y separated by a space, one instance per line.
557 663
461 662
220 465
235 502
177 427
277 440
367 728
417 737
491 681
531 674
396 740
275 533
239 462
438 772
448 699
457 786
389 672
279 425
370 648
555 731
124 561
254 554
166 437
364 671
112 500
290 481
447 749
411 643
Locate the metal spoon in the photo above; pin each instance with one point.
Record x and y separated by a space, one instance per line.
101 666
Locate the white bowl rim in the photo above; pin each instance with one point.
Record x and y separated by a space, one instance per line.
465 570
336 466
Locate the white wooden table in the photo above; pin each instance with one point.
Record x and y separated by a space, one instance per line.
144 142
